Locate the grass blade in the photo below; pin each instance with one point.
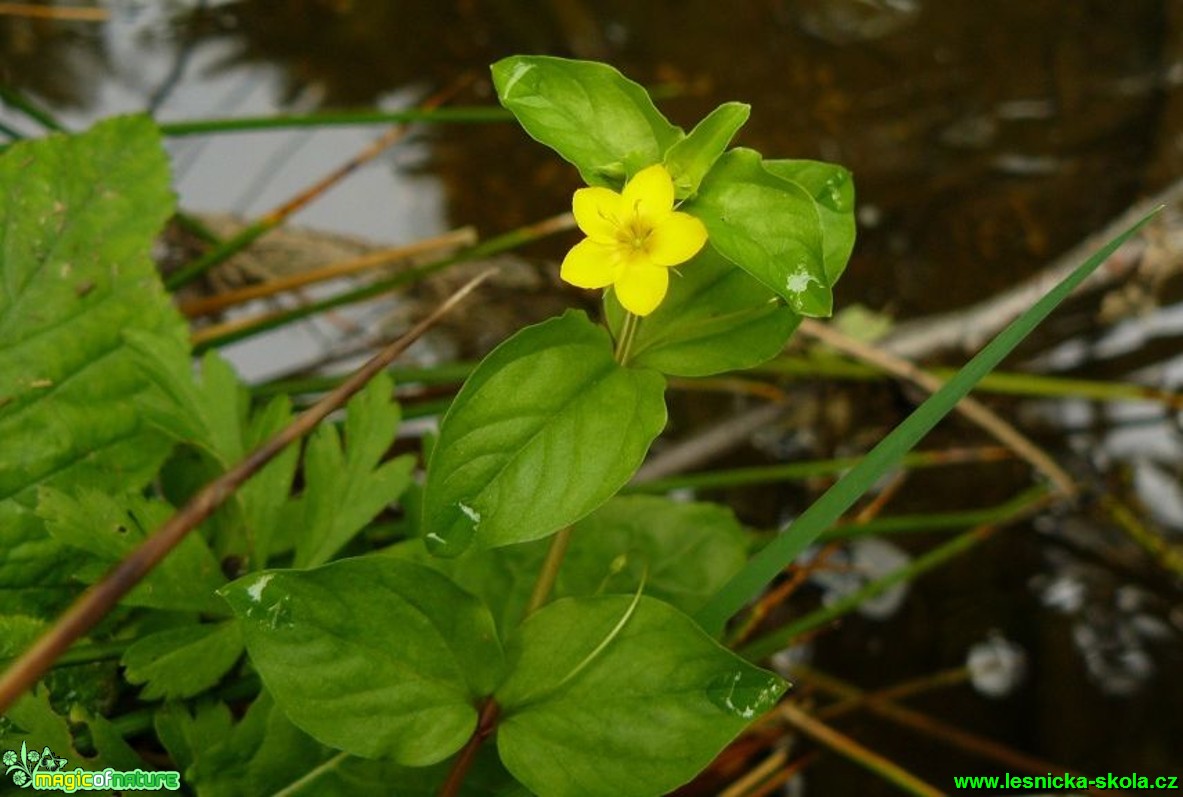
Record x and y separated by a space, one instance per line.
774 557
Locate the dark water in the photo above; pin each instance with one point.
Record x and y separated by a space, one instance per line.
985 139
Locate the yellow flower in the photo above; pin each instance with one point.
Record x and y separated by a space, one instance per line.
632 239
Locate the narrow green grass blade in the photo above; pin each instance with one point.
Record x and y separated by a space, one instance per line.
477 114
783 636
764 566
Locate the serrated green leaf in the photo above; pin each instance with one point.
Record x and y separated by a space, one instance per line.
189 731
17 632
594 117
767 226
635 717
345 488
546 429
182 662
832 188
212 414
689 160
715 319
32 721
109 529
264 496
78 215
373 656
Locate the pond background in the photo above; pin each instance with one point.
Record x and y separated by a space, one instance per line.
985 139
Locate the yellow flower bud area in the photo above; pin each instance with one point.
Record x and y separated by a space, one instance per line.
633 238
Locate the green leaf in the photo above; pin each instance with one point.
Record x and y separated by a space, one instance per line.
681 552
546 429
265 753
595 118
885 456
189 732
767 226
109 529
212 415
594 707
715 319
32 720
182 662
832 189
344 490
689 160
374 656
78 215
265 495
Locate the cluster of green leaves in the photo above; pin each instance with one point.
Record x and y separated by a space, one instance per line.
378 666
785 226
373 668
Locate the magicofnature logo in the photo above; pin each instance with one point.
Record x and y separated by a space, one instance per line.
45 771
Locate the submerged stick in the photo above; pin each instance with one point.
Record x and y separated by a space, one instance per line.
99 599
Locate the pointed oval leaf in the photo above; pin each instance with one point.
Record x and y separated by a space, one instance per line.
832 187
591 707
594 117
374 656
767 226
690 159
547 428
716 318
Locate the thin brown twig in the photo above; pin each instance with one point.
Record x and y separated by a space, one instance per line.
944 732
207 305
970 407
99 599
850 749
954 676
756 775
782 777
61 13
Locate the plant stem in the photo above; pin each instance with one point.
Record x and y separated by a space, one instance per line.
549 572
12 97
295 786
628 331
485 726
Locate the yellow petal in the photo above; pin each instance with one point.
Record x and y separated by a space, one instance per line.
597 212
589 264
676 239
641 288
650 194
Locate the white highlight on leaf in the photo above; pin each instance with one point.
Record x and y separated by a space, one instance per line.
519 71
800 279
748 711
436 538
255 590
470 513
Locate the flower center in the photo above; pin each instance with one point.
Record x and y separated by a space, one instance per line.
634 235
